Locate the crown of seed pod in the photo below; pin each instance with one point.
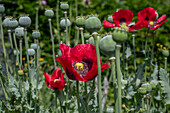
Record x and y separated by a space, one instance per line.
165 53
15 52
34 46
20 72
25 21
13 23
91 40
6 21
2 9
80 21
64 6
147 86
31 52
92 24
49 13
19 32
142 90
110 19
63 23
107 45
36 34
119 35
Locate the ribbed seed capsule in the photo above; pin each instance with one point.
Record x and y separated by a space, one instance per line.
36 34
6 21
15 52
63 23
119 35
13 23
25 21
165 53
2 9
31 52
80 21
34 46
91 40
64 6
19 32
49 13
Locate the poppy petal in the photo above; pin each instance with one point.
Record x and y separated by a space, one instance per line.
56 74
161 18
65 49
47 79
158 25
148 14
107 24
137 26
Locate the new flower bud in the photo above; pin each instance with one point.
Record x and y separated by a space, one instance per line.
36 34
64 6
34 46
2 9
31 52
107 45
6 22
91 40
15 52
80 21
25 21
165 53
92 24
19 32
119 35
49 13
13 23
63 23
20 72
110 19
147 86
142 90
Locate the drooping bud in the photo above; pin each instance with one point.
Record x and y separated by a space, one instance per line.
63 23
19 32
24 21
36 34
80 21
31 52
49 13
165 53
64 6
2 9
13 23
92 24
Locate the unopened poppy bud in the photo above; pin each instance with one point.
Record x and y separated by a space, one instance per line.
63 23
142 90
31 52
147 86
86 35
34 46
80 21
165 53
36 34
64 6
19 32
13 23
49 13
91 40
6 22
110 19
25 21
15 52
92 24
107 45
119 35
20 72
2 9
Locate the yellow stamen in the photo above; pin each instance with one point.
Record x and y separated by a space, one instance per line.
41 59
79 66
23 59
151 23
164 48
56 80
157 44
124 26
161 46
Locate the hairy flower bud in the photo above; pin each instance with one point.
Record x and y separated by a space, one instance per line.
36 34
64 6
25 21
49 13
63 23
19 32
31 52
80 21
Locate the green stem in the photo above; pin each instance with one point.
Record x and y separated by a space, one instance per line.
99 71
16 47
82 36
76 7
124 58
57 20
26 47
36 18
166 63
20 45
66 38
118 47
146 42
134 52
77 36
78 100
52 40
153 39
9 34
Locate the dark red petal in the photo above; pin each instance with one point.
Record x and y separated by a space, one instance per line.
146 24
137 26
65 49
122 14
158 25
107 24
56 74
47 78
83 51
147 13
161 18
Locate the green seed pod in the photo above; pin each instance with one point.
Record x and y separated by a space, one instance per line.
80 21
15 52
165 53
6 22
25 70
20 72
34 46
13 23
36 34
25 21
142 90
147 86
64 6
63 23
19 32
86 35
91 40
31 52
107 45
2 9
92 24
119 35
110 19
49 13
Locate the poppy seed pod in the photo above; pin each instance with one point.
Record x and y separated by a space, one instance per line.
63 23
34 46
86 35
110 19
6 21
25 21
64 6
13 23
49 13
20 72
31 52
147 86
119 35
165 53
91 40
92 24
15 52
142 90
107 45
36 34
2 8
19 32
80 21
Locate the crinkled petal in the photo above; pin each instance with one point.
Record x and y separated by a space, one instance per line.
56 73
148 13
137 26
161 18
65 49
47 79
158 25
107 24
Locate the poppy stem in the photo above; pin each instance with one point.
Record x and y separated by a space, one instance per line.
57 20
152 54
26 47
99 70
166 63
77 36
82 36
78 100
20 46
9 34
118 47
52 40
146 42
66 38
16 47
134 52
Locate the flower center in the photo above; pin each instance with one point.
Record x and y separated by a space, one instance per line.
124 26
79 66
55 80
151 23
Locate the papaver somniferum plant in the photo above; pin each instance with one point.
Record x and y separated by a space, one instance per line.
61 69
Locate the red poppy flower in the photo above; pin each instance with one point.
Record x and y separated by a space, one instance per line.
56 81
123 18
148 16
80 62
